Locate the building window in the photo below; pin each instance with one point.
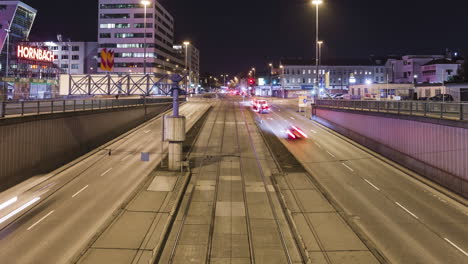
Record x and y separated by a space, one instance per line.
105 35
55 57
76 48
64 47
64 57
75 57
54 48
310 71
142 15
115 16
75 66
64 66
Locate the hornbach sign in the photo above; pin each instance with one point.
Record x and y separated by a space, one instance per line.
34 54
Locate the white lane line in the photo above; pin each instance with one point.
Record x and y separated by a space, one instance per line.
21 208
78 192
107 171
318 145
292 118
457 247
348 167
8 203
370 183
124 158
147 131
331 154
40 220
313 131
408 211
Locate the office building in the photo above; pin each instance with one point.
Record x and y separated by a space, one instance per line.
193 61
122 29
16 20
336 76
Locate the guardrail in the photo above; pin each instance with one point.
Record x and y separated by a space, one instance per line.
440 110
12 109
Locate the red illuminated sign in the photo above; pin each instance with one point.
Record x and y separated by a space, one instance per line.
34 54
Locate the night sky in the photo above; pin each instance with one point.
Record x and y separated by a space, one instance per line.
235 35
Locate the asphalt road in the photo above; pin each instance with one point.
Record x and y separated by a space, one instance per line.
407 220
74 204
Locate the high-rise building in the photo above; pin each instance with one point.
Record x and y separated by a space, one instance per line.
16 20
122 29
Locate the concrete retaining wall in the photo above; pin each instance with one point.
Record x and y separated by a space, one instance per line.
40 144
440 153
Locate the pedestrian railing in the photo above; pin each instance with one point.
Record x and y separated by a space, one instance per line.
23 108
441 110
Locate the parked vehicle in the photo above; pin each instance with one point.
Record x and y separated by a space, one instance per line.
442 98
423 98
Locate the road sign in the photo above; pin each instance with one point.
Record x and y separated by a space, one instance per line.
302 101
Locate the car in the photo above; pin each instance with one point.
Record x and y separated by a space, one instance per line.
423 98
293 132
442 98
261 106
338 96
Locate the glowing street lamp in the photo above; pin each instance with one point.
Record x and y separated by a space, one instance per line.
145 3
186 44
317 3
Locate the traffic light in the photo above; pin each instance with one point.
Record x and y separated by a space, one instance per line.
251 81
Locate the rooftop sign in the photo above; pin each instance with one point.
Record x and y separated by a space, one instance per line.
34 54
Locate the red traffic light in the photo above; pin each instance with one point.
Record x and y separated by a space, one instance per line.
251 81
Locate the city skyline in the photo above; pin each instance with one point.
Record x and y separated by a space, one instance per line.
267 31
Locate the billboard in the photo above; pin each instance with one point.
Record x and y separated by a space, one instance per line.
107 60
34 55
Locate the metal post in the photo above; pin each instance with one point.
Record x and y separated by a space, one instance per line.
399 106
84 105
64 106
22 108
411 108
52 106
378 107
441 110
425 109
38 107
2 108
144 61
461 112
99 103
92 104
74 105
8 51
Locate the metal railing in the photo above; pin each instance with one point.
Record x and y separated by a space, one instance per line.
23 108
440 110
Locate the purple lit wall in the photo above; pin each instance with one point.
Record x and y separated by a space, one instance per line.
436 151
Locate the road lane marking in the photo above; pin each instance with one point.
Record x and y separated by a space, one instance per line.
370 183
8 203
21 208
124 158
348 167
147 131
78 192
40 220
331 154
318 145
107 171
408 211
292 118
313 131
457 247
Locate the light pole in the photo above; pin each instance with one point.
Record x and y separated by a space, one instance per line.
317 3
320 43
282 84
186 44
145 3
7 30
254 72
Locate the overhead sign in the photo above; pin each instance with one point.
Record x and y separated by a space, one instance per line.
34 54
107 60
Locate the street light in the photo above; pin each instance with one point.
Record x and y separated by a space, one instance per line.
320 43
145 3
186 44
317 3
254 71
7 30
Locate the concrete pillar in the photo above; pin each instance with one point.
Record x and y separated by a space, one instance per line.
175 134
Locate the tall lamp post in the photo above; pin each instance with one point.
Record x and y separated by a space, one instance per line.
145 3
254 72
317 3
320 43
186 44
7 30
